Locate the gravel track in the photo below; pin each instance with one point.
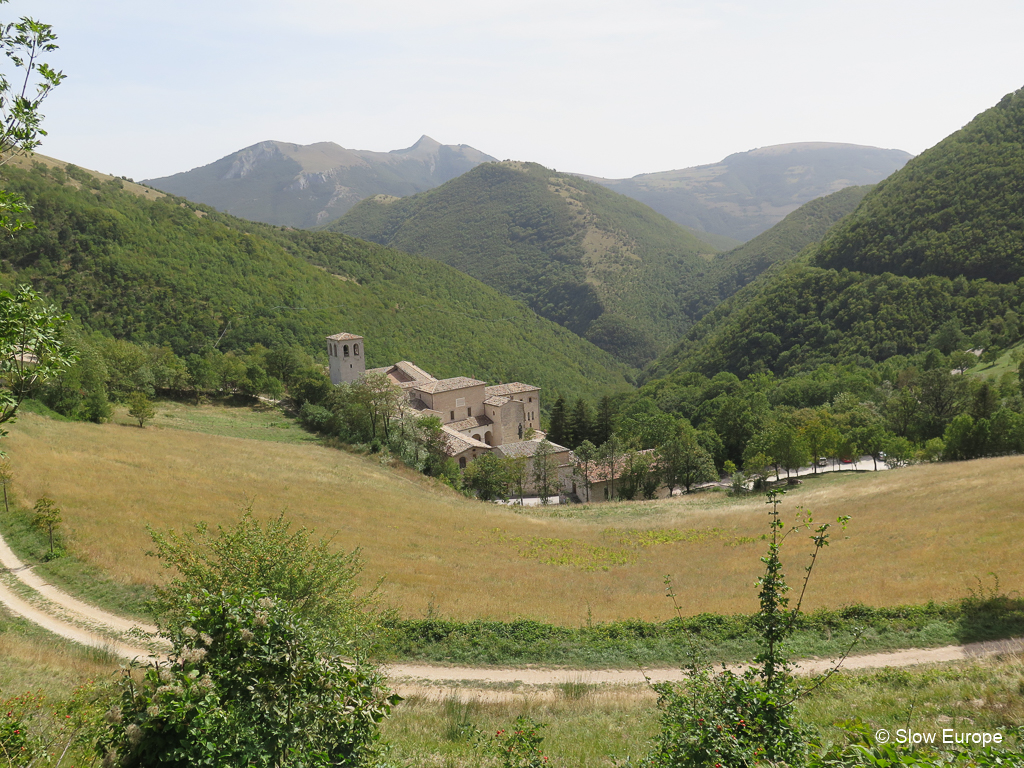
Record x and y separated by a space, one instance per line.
91 626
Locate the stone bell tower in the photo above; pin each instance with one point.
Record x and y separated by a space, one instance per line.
347 357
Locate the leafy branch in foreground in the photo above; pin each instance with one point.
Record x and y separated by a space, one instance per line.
738 720
23 42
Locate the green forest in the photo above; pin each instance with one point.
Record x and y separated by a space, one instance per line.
169 273
603 265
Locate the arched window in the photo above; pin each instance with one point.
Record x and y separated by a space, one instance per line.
355 350
462 462
345 350
520 431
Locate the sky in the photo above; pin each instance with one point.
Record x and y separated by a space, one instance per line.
610 89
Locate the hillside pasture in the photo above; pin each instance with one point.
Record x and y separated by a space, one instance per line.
923 533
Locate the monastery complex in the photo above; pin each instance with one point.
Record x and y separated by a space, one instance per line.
478 419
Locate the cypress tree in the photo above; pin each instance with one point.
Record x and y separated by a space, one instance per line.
580 423
558 427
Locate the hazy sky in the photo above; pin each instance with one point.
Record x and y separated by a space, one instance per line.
606 88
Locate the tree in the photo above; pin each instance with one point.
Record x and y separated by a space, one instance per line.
558 426
608 467
251 681
724 719
47 516
382 399
684 462
141 408
516 468
316 581
638 475
21 96
580 423
488 476
545 471
6 478
584 460
32 347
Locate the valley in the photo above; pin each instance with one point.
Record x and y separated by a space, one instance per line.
873 309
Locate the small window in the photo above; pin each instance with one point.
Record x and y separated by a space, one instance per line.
462 462
451 416
529 399
469 412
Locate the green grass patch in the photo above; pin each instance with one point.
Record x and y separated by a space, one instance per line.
76 577
725 638
231 417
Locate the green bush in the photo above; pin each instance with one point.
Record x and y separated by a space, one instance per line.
250 682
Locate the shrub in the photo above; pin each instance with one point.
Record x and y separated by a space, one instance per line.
250 682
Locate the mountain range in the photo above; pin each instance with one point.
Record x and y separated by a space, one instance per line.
725 203
304 185
748 192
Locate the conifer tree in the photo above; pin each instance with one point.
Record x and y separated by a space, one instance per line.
559 425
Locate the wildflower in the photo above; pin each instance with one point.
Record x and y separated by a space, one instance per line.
113 715
193 655
189 632
152 710
134 734
266 602
165 675
206 639
246 634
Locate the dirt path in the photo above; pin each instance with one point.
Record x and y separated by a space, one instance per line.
490 684
60 613
56 611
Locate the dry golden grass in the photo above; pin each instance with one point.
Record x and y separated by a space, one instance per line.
917 534
34 660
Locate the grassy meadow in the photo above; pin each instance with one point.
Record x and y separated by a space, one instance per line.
917 534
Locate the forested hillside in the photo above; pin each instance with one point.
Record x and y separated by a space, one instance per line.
169 272
806 226
934 252
601 264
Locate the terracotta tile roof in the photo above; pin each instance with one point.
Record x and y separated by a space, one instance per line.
447 385
404 374
345 337
413 371
526 448
512 388
471 423
496 400
457 443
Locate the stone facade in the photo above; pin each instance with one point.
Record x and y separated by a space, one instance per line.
477 418
346 356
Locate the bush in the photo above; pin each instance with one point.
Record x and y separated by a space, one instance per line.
250 682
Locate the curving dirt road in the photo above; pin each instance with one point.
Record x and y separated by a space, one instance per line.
58 612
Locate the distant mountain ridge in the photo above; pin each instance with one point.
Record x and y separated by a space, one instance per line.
747 193
305 185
